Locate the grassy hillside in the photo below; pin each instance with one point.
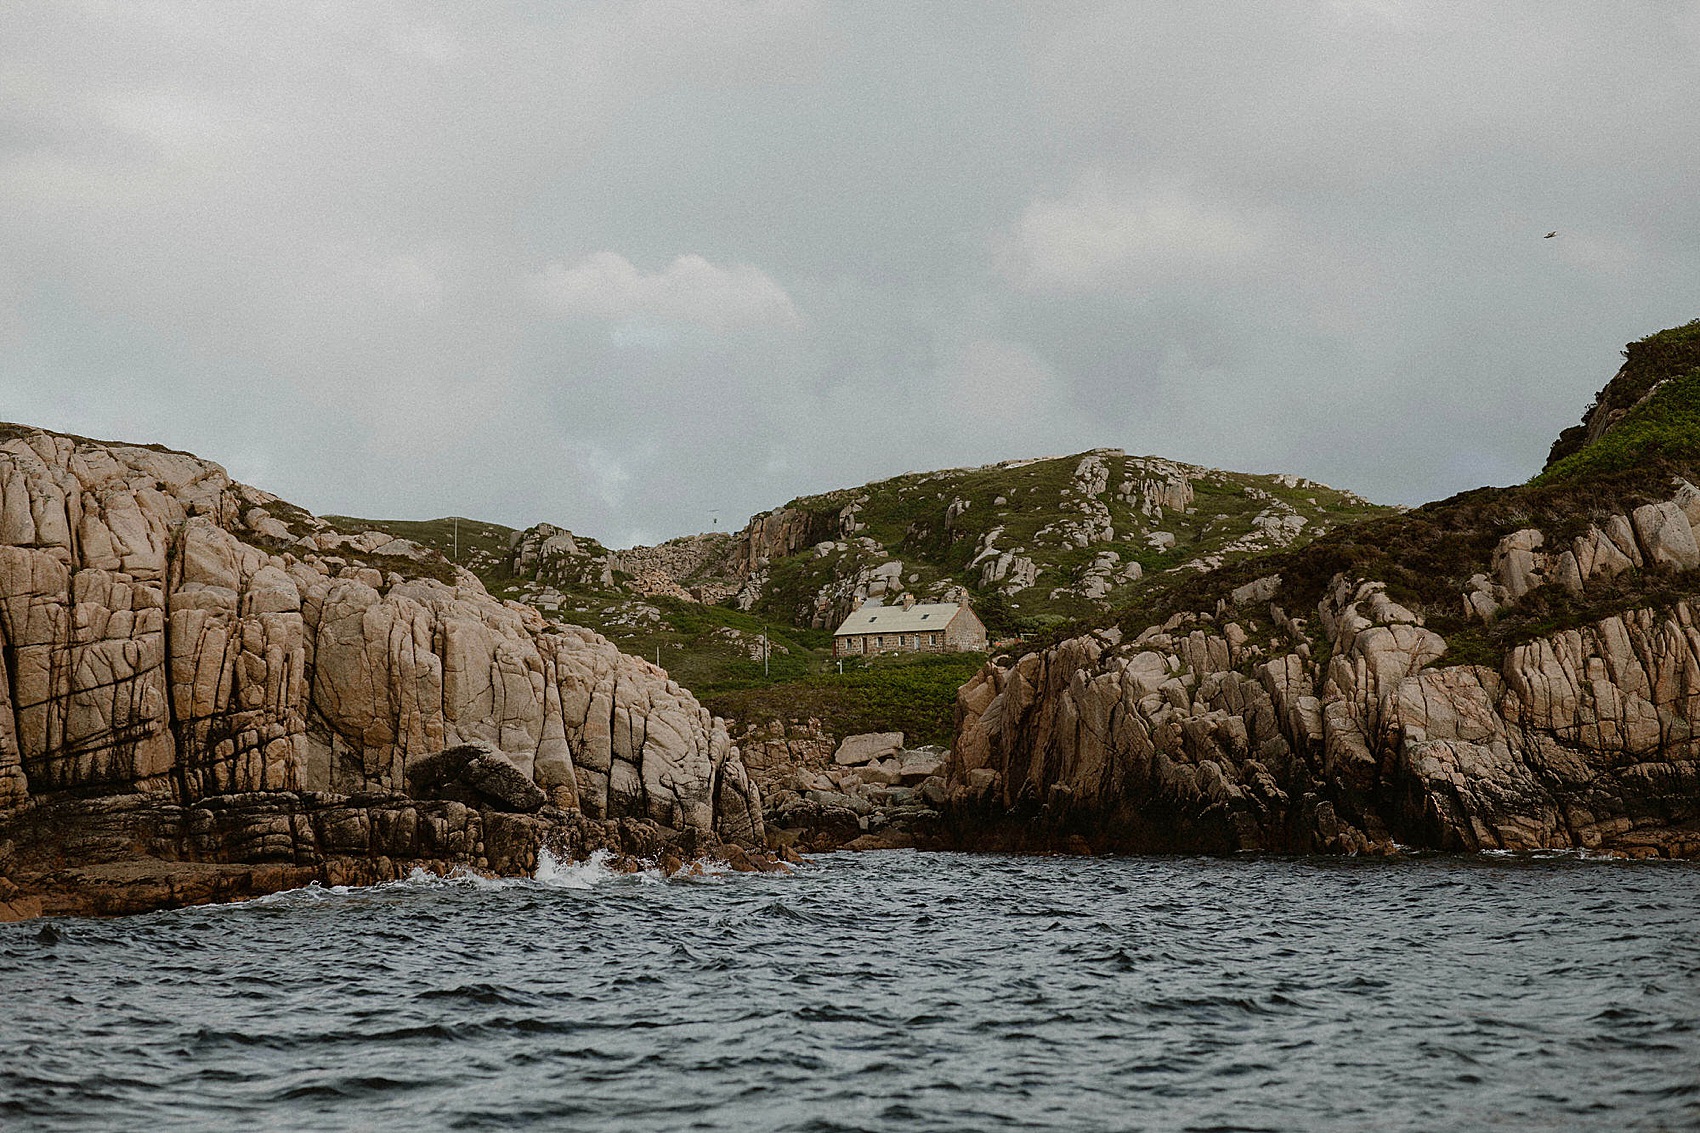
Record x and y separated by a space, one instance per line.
1427 555
1032 544
915 695
1646 363
1082 526
1664 427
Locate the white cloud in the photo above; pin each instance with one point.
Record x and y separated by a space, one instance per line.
1098 235
605 285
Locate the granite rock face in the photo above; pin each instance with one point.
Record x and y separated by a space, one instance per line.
169 632
1200 734
131 853
860 793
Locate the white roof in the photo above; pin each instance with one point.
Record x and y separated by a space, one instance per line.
895 619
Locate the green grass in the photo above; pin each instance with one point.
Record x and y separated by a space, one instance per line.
1645 363
482 546
1665 427
915 695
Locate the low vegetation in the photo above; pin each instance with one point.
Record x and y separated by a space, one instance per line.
913 694
1427 555
1664 427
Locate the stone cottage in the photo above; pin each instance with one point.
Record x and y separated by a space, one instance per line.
913 627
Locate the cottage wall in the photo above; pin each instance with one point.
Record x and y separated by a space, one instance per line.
861 645
966 632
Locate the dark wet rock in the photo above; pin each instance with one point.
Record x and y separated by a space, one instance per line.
134 852
475 773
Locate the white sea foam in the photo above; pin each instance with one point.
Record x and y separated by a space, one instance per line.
1576 853
596 871
559 874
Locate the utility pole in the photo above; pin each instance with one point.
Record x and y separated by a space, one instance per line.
764 652
457 538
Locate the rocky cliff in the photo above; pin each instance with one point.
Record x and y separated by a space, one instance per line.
1511 669
190 647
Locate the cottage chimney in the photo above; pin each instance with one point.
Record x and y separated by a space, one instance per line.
908 601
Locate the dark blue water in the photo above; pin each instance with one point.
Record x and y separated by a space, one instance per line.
890 991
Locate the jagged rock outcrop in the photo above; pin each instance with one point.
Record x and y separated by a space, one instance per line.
549 554
696 568
857 792
170 633
1653 535
781 532
1245 729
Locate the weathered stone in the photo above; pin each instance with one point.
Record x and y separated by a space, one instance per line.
1666 536
477 768
1256 592
911 772
1517 565
1587 738
868 747
162 643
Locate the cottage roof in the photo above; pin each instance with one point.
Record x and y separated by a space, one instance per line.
895 619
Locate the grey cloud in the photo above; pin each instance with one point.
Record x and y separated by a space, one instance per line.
622 266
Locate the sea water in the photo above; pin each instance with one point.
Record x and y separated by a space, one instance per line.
888 991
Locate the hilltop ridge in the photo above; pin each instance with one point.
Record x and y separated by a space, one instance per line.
1033 543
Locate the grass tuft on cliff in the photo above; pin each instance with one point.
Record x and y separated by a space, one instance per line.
1664 427
913 694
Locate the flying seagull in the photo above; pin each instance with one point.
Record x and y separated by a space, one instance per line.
1549 236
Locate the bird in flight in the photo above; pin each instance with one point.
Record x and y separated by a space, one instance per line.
1549 236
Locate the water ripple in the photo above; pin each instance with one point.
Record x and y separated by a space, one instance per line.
889 992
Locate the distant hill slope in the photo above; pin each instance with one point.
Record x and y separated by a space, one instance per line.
1031 543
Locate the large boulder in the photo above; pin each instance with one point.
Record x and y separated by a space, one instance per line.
868 747
490 777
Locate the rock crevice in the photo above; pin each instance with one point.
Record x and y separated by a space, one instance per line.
1202 734
168 632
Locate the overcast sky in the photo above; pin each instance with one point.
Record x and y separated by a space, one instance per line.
628 266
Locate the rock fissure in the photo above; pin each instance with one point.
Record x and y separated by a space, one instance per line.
187 644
